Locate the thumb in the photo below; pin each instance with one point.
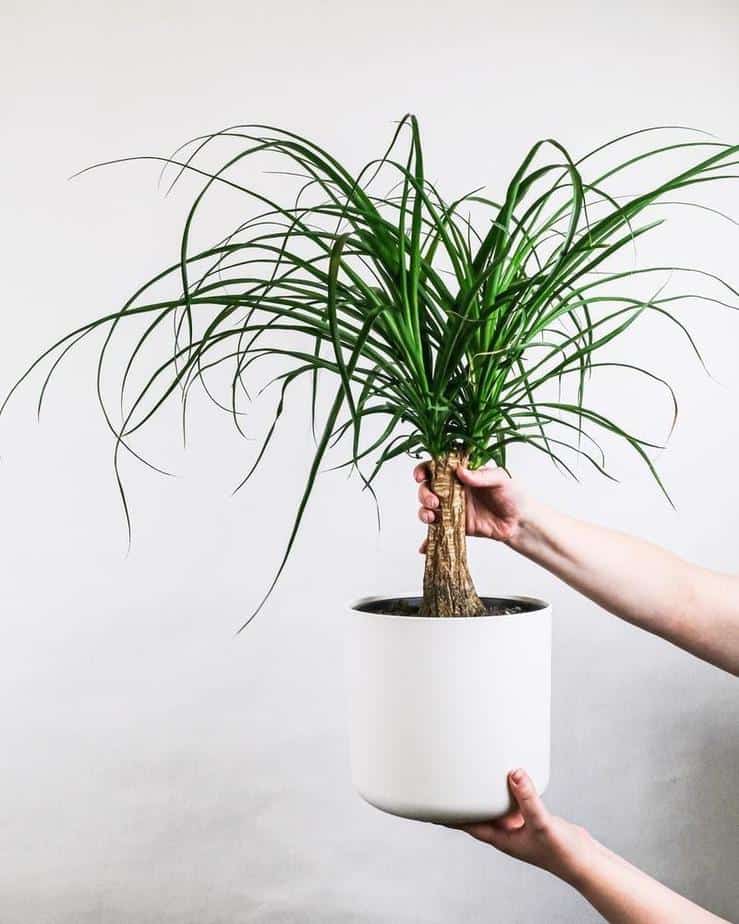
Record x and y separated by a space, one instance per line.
482 477
532 808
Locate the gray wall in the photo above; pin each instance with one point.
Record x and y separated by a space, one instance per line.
152 767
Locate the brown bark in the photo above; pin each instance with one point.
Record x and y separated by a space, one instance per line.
447 586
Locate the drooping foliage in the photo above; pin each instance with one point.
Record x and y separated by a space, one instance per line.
438 324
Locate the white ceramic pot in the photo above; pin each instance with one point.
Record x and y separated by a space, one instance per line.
440 710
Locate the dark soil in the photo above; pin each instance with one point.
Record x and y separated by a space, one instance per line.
409 606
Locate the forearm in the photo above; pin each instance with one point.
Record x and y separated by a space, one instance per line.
624 894
638 581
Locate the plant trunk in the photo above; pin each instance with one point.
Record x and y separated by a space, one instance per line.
447 586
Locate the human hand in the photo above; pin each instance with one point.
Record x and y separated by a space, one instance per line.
495 503
617 890
531 834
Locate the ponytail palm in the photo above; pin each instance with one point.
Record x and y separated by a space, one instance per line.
417 325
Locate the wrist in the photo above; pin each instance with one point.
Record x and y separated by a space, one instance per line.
528 532
578 860
587 864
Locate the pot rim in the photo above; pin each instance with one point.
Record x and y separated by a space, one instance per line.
542 606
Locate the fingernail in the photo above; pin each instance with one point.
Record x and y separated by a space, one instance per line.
517 776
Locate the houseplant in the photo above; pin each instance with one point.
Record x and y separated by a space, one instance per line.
448 329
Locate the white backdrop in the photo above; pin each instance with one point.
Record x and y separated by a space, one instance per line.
152 767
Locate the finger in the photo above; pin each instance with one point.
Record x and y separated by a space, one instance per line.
532 808
482 477
427 497
510 822
488 832
426 516
421 472
424 545
513 821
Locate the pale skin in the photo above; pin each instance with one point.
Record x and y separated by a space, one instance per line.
692 607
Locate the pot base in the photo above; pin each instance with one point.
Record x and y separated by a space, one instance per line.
450 815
